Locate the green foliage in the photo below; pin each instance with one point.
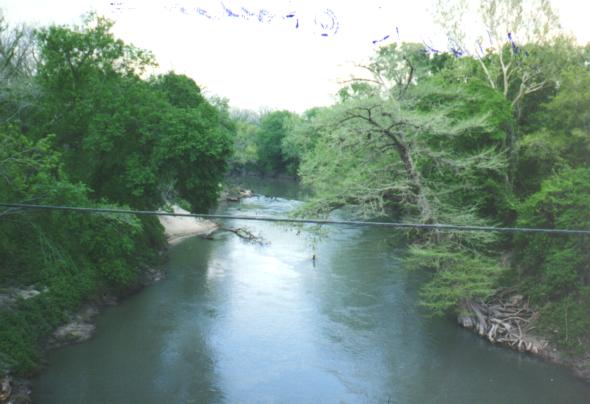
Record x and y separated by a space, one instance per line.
566 321
301 138
457 275
562 138
412 145
557 268
274 127
245 156
118 141
67 256
193 143
272 142
412 133
128 139
559 263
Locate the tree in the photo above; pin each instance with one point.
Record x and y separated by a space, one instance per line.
194 143
423 148
555 269
392 71
128 139
69 257
245 156
17 66
563 135
274 126
301 138
118 140
409 133
506 24
506 48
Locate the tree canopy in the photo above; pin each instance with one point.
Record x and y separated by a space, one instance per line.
82 123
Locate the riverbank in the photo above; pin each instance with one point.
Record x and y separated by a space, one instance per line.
80 325
509 321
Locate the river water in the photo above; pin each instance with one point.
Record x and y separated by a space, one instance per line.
236 322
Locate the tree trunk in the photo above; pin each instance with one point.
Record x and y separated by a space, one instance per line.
424 206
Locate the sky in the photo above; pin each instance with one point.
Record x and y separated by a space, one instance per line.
265 54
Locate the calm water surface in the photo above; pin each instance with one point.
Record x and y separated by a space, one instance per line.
236 322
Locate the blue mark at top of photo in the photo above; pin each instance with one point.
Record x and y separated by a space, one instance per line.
385 38
228 12
323 21
515 48
326 22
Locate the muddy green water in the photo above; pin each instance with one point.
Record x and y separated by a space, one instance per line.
236 322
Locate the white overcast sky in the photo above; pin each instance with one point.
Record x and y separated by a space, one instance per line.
283 62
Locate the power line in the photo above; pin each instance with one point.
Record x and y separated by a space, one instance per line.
300 221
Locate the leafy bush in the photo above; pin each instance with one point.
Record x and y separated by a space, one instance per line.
558 265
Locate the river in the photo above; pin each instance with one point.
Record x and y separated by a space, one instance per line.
237 322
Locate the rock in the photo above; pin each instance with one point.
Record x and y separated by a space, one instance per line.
516 299
87 313
466 321
27 293
109 300
5 389
72 333
21 392
151 276
245 193
11 295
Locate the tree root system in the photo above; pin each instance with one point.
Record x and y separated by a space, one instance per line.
505 320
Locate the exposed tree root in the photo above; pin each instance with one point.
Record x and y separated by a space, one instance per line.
503 320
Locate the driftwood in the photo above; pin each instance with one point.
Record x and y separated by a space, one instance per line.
242 233
504 320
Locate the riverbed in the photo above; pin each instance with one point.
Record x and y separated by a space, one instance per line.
313 316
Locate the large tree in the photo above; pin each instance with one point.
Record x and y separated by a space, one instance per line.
128 138
515 44
409 134
506 25
407 142
17 66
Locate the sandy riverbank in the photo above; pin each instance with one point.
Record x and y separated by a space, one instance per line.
178 228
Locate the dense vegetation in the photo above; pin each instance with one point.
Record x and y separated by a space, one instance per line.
83 124
259 142
494 136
